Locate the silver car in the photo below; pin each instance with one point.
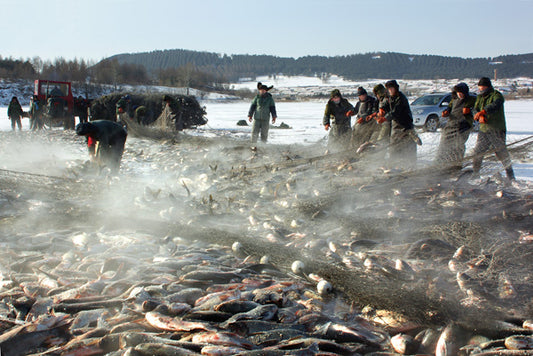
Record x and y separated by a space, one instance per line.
427 110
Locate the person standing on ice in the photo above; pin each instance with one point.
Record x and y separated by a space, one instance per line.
457 129
105 140
492 127
260 110
337 120
14 112
365 126
384 126
403 140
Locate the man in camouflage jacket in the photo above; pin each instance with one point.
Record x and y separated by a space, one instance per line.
260 110
337 117
492 127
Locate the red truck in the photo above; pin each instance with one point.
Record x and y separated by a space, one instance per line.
52 104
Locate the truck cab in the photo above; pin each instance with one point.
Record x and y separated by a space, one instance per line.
56 99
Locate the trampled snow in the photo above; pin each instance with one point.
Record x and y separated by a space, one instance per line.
305 120
305 117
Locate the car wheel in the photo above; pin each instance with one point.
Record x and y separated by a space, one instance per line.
432 123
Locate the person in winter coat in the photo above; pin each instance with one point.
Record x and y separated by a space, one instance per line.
14 112
260 110
365 127
457 129
173 107
124 107
337 117
403 140
492 127
105 140
383 132
36 114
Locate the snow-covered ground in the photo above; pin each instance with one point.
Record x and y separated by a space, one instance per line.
298 86
305 120
305 117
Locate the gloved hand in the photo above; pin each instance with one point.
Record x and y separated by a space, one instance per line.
371 116
466 111
349 113
445 113
360 120
381 112
380 119
326 127
482 115
273 120
250 118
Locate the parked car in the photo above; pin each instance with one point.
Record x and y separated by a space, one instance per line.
427 110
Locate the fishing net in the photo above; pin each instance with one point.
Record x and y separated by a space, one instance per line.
104 108
347 219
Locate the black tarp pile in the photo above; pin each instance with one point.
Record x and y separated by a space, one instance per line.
104 108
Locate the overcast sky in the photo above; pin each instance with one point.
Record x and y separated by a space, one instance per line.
95 29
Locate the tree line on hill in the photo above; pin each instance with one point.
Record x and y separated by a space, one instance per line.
106 71
206 70
353 67
103 72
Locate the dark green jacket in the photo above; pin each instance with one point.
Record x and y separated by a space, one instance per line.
492 103
262 106
337 112
125 105
14 110
400 111
455 107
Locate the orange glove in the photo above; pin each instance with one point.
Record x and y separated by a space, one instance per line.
466 111
381 119
445 113
349 113
326 127
381 112
371 116
481 117
360 120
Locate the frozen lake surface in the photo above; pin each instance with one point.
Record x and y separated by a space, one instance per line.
305 120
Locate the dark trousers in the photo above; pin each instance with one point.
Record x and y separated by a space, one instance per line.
339 137
16 121
452 146
111 155
402 149
487 141
260 127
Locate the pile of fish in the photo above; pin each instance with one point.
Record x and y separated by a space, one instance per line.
208 248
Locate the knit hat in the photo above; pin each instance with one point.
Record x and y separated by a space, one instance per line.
85 128
361 91
461 88
484 82
335 92
392 84
379 90
263 87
